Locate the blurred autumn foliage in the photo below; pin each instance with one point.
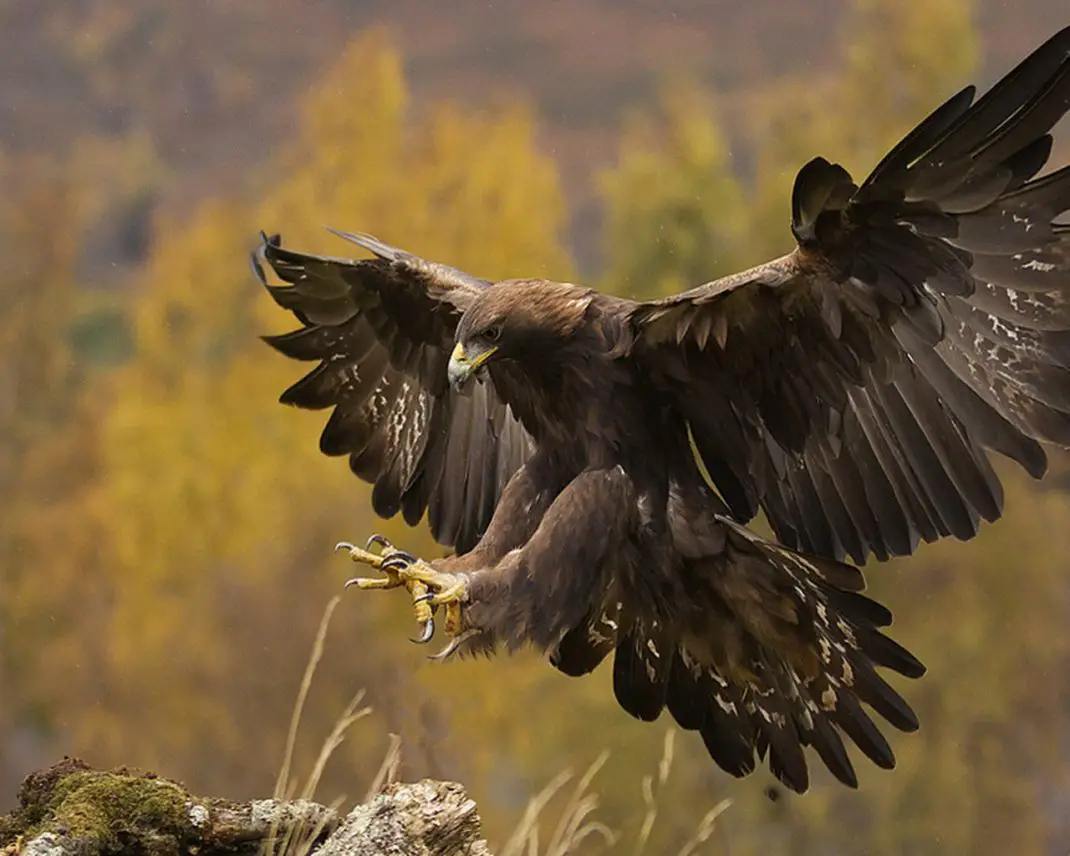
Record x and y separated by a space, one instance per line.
165 526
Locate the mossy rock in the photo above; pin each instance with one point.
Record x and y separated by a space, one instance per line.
109 812
72 810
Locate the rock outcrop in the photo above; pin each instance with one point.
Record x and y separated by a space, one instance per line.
72 810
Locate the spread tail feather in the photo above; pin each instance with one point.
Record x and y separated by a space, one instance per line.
780 653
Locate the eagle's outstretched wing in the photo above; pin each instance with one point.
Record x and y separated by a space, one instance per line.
850 388
381 331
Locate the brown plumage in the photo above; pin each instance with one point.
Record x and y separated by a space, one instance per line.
596 484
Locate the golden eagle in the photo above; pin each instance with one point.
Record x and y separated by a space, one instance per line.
596 483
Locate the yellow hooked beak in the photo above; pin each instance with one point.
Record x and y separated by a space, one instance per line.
462 365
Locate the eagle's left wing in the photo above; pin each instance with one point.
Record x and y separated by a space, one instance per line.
850 388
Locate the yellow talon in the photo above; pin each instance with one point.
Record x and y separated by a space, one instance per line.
372 583
449 587
454 622
428 587
422 608
379 561
448 590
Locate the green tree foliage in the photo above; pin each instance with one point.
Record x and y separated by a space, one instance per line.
668 196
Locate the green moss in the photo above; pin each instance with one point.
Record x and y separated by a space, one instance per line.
108 807
111 811
9 829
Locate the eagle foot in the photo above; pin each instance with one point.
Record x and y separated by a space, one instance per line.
429 588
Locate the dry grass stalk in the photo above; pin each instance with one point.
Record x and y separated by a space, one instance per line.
577 824
298 839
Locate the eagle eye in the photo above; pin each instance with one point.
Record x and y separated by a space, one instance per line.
492 334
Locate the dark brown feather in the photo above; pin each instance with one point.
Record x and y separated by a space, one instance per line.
935 297
596 484
381 330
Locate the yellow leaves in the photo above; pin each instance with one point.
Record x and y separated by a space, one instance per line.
194 276
493 203
346 161
214 496
668 198
467 187
202 473
903 56
46 431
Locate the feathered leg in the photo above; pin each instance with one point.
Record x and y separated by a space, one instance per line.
523 503
531 592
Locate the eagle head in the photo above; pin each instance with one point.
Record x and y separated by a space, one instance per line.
520 319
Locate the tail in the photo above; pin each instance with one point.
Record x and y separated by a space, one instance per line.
776 651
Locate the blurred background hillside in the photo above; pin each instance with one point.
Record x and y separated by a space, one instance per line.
166 526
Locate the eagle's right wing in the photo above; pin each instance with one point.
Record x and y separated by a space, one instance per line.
381 331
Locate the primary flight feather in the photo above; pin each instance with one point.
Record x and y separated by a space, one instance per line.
597 482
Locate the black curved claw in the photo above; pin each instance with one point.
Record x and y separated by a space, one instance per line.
378 540
428 632
455 643
398 562
447 651
426 598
